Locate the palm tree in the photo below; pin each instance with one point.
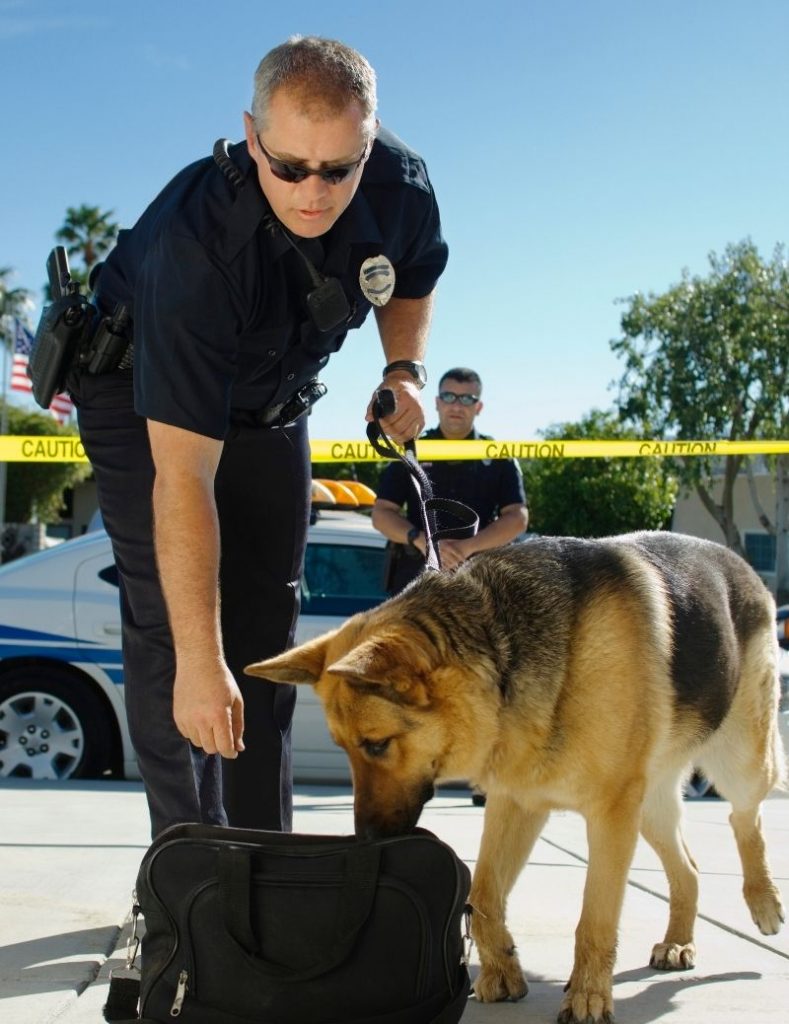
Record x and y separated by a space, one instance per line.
14 302
89 233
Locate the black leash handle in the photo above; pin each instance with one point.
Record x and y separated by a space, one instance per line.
384 405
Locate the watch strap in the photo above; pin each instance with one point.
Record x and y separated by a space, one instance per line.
413 367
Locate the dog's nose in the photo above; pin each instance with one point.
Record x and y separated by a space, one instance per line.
370 830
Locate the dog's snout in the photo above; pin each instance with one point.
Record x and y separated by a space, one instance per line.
393 821
370 831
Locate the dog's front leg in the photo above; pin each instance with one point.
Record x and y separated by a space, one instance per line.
507 840
612 836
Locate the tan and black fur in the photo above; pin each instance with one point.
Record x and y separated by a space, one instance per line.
564 673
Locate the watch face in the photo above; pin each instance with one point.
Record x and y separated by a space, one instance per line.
417 370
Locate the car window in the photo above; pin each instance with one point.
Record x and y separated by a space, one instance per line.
340 579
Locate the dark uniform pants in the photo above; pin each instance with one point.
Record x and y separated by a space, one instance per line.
262 492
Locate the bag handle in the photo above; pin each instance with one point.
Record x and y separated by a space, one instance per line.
356 902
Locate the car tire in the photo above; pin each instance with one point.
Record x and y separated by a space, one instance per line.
56 715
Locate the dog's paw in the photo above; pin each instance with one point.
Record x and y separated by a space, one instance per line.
495 983
670 956
766 909
579 1007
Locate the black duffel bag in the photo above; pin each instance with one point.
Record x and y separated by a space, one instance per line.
253 927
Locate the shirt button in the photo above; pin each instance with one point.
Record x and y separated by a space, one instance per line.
291 376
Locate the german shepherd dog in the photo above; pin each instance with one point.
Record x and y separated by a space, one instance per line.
590 675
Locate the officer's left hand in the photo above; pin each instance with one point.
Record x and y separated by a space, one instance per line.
408 419
453 553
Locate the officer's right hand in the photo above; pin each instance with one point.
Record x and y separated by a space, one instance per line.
407 420
208 708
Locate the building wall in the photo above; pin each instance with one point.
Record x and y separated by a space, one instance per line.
691 517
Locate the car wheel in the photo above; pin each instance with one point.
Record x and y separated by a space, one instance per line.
52 726
698 787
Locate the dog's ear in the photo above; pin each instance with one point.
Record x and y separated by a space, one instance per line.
389 666
303 664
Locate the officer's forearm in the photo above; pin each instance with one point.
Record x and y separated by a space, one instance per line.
187 553
389 521
404 325
187 539
513 521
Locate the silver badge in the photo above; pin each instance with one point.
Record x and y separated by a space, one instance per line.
377 280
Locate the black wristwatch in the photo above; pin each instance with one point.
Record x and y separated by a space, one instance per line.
413 533
417 370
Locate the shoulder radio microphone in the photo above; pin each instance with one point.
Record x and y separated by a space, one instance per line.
327 303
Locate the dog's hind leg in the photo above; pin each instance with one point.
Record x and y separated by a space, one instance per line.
612 832
745 760
507 840
661 826
746 789
760 892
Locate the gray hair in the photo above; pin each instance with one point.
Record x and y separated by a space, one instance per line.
325 74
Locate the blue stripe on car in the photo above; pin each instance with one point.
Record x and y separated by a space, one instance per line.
15 633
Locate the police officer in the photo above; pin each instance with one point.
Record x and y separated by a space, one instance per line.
493 488
241 279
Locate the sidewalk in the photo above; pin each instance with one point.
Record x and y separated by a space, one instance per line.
69 855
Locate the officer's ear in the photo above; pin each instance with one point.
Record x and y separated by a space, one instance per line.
249 132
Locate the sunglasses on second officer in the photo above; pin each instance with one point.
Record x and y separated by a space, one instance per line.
450 397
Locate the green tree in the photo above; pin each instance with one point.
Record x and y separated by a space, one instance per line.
35 490
708 359
88 233
597 497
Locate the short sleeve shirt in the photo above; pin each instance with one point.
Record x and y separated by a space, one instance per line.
218 295
485 485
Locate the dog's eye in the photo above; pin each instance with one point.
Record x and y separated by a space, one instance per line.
375 748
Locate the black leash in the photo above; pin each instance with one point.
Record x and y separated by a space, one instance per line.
384 406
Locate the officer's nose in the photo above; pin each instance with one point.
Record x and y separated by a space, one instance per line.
313 189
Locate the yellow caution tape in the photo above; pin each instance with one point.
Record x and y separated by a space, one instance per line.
55 448
42 448
433 451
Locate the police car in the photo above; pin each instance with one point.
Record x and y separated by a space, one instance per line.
61 670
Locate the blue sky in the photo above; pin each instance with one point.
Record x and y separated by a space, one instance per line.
581 151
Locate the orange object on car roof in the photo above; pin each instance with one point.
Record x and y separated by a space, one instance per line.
347 493
321 495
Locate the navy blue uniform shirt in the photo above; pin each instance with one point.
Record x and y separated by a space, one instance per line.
486 485
217 294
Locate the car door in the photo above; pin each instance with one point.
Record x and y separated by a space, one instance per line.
343 574
97 614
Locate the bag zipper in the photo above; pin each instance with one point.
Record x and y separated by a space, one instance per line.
180 994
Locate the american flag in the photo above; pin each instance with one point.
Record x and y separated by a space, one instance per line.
62 406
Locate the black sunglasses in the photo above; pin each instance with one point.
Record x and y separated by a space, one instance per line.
450 397
293 173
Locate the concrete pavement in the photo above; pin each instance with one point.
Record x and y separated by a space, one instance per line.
69 854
